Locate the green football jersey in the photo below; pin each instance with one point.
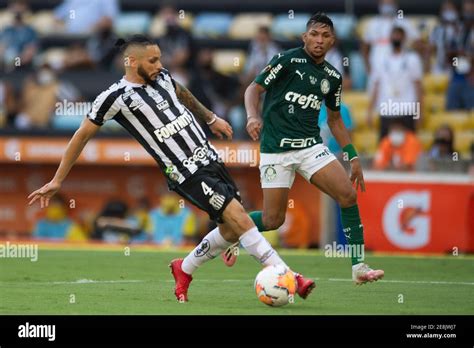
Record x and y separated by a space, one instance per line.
295 88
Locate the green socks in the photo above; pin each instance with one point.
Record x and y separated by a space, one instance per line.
354 232
256 216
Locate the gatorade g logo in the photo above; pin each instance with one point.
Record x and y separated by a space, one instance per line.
304 100
272 74
405 221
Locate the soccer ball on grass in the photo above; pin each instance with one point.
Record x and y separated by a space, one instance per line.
275 286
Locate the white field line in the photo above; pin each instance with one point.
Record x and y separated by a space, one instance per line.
90 281
76 282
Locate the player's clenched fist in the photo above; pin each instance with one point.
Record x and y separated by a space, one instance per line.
254 126
44 194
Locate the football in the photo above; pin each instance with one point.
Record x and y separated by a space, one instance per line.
275 286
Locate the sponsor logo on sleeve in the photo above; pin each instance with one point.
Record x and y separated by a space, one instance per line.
272 74
332 72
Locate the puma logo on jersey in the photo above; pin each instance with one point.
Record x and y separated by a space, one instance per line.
304 100
301 74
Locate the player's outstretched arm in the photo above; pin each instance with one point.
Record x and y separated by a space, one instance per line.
86 131
252 100
218 126
340 132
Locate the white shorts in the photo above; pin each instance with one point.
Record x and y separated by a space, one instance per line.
278 169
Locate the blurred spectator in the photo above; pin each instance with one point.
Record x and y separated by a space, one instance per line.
18 40
261 51
176 46
443 144
40 93
471 163
141 215
56 224
172 223
326 134
377 34
213 89
335 58
399 150
7 103
114 225
398 90
101 48
86 17
444 37
460 93
440 156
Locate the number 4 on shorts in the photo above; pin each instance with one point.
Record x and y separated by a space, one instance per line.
206 189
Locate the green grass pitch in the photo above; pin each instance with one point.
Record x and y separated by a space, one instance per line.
109 282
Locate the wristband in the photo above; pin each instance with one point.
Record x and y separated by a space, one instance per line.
213 120
351 151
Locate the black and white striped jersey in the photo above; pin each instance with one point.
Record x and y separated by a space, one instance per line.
154 116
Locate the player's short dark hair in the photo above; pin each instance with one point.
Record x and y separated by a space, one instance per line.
320 17
139 40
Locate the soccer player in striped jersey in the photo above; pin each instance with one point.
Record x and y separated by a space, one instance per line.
161 114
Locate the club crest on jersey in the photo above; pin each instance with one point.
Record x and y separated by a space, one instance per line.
217 201
163 105
154 94
270 173
325 86
313 80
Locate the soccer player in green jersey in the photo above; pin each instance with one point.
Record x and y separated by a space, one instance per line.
296 83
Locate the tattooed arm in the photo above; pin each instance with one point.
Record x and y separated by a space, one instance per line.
218 126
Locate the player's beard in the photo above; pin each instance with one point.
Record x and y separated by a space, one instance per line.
145 76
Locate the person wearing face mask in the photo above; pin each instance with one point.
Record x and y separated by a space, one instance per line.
398 91
444 36
442 147
460 94
177 45
19 41
376 37
399 150
40 94
56 225
216 91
